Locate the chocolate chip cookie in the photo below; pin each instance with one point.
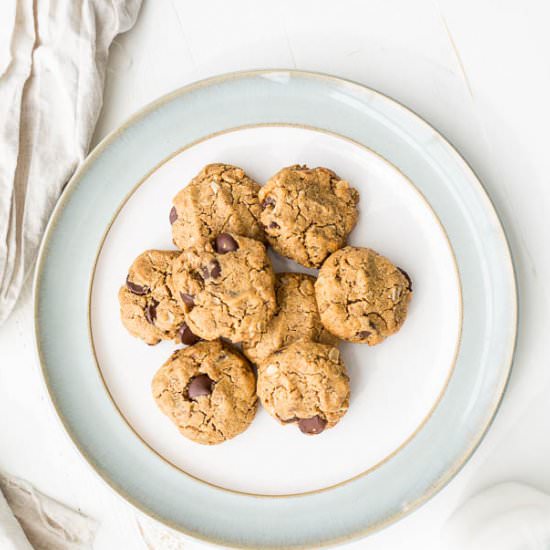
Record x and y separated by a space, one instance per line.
305 383
148 308
296 318
208 391
362 296
307 213
226 288
221 198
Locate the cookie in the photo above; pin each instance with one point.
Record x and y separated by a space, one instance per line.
226 288
208 391
362 296
220 199
307 213
305 383
296 318
148 308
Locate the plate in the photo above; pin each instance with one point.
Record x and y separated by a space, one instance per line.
395 218
421 401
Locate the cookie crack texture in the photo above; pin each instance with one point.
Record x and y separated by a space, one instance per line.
221 198
362 296
304 380
307 213
239 302
153 314
207 418
296 318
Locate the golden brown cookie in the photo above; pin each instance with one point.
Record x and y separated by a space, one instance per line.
208 391
362 296
296 318
148 308
220 199
305 383
226 288
307 213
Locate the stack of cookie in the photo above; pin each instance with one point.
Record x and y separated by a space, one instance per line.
219 295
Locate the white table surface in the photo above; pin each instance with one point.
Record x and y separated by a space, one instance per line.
478 70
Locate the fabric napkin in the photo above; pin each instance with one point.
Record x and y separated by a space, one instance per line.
42 523
53 56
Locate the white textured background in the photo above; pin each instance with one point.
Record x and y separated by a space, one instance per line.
478 70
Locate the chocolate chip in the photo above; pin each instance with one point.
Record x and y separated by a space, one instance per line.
204 274
173 215
136 289
199 385
274 225
363 334
406 275
215 269
268 201
225 243
312 426
151 312
187 299
187 336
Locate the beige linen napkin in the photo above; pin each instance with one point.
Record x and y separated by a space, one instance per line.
42 523
53 55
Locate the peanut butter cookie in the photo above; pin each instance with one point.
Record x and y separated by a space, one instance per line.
305 383
208 391
307 213
296 318
221 198
148 308
362 296
226 288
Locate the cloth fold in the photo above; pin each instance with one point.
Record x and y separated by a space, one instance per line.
42 523
53 56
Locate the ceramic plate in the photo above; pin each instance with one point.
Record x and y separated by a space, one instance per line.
421 401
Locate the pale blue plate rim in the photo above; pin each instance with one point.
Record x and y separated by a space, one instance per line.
306 533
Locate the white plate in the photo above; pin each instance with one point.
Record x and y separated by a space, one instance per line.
394 385
416 414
